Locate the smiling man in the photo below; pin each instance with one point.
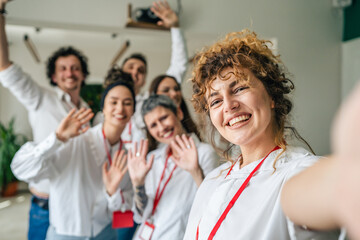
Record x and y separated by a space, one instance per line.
66 70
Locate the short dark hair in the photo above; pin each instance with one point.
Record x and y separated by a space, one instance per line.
120 82
116 77
138 56
64 52
115 74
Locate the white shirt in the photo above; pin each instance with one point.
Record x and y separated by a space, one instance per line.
172 212
46 108
177 69
257 214
79 205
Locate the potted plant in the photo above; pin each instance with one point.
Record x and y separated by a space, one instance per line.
10 142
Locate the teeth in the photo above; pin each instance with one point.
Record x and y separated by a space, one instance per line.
167 134
239 119
119 116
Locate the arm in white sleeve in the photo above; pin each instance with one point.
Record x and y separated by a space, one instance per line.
179 56
22 86
33 161
123 198
208 159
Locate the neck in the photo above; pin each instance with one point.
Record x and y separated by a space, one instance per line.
255 152
75 97
113 134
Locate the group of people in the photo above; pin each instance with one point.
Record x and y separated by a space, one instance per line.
143 171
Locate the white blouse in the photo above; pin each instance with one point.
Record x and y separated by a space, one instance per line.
257 214
171 215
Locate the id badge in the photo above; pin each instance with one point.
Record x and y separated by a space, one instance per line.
123 219
147 231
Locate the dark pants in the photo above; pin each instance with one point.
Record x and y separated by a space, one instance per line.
38 218
126 233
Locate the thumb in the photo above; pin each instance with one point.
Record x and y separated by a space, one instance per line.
160 23
104 168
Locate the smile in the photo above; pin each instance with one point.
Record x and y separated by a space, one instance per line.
120 116
168 134
239 119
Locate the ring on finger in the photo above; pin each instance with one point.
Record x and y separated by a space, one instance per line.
188 146
137 154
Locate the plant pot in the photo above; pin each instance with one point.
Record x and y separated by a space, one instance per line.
10 189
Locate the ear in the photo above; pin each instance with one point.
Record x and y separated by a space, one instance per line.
272 104
53 79
179 113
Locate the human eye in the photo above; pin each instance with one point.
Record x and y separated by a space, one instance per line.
128 103
165 90
214 102
163 117
240 88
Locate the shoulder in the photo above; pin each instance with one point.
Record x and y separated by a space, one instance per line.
297 156
218 172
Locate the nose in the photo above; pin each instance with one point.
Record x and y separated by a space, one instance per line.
172 94
68 72
119 107
161 126
230 103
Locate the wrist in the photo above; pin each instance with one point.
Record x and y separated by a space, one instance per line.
138 183
197 173
60 137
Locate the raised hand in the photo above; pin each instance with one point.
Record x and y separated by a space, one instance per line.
73 124
137 164
187 157
113 175
168 16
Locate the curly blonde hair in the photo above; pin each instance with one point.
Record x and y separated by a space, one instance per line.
239 51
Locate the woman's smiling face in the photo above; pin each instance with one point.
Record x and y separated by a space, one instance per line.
240 109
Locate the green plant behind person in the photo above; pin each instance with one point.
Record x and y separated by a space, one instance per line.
10 142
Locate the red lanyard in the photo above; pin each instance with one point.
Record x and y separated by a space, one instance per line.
159 193
129 132
107 149
234 199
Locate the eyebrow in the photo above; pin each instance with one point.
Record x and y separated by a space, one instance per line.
112 97
231 86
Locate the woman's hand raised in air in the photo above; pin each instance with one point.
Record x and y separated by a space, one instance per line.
74 124
137 164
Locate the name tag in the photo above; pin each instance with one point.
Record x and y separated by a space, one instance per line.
147 231
123 219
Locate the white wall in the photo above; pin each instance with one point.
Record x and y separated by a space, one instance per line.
308 34
350 66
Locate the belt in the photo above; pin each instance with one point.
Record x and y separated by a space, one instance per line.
41 202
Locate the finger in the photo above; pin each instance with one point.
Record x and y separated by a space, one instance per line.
84 129
85 115
104 168
119 158
130 154
166 4
141 146
180 142
124 170
175 146
135 149
77 114
160 23
186 141
72 111
145 148
123 162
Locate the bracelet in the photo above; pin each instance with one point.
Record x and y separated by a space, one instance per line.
3 12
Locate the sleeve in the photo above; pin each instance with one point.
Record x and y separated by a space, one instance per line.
208 159
22 86
123 199
179 57
33 161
